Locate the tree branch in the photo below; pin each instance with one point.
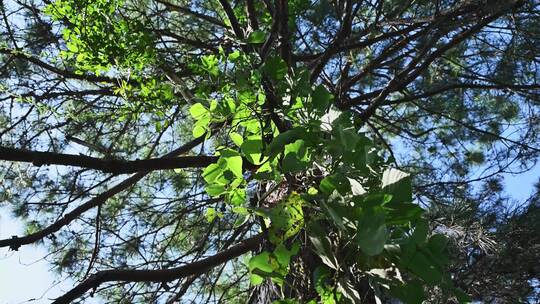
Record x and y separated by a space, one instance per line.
162 275
232 18
15 242
188 11
344 32
65 73
402 79
106 165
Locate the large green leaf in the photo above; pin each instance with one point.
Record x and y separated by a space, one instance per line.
279 142
260 266
337 182
321 98
409 293
336 210
212 173
275 68
284 255
397 183
423 267
252 149
237 138
462 297
372 231
215 190
287 218
262 261
421 230
436 248
233 161
256 37
322 245
402 213
237 197
297 157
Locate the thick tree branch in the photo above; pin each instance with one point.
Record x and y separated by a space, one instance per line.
282 20
232 19
162 275
252 14
106 165
15 242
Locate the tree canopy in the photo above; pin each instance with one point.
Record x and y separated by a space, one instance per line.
275 151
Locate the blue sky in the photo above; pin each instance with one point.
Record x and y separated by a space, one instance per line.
24 275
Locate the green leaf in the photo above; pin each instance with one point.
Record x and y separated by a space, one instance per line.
234 55
332 209
336 182
255 279
256 37
286 301
322 245
372 200
233 161
437 243
436 249
198 131
210 64
275 68
236 138
327 293
237 197
410 293
327 185
260 266
242 219
253 126
252 149
215 189
283 255
211 214
421 265
297 157
213 105
372 233
265 171
321 98
262 262
201 126
212 173
279 142
287 218
197 111
347 138
402 213
420 233
462 297
397 183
